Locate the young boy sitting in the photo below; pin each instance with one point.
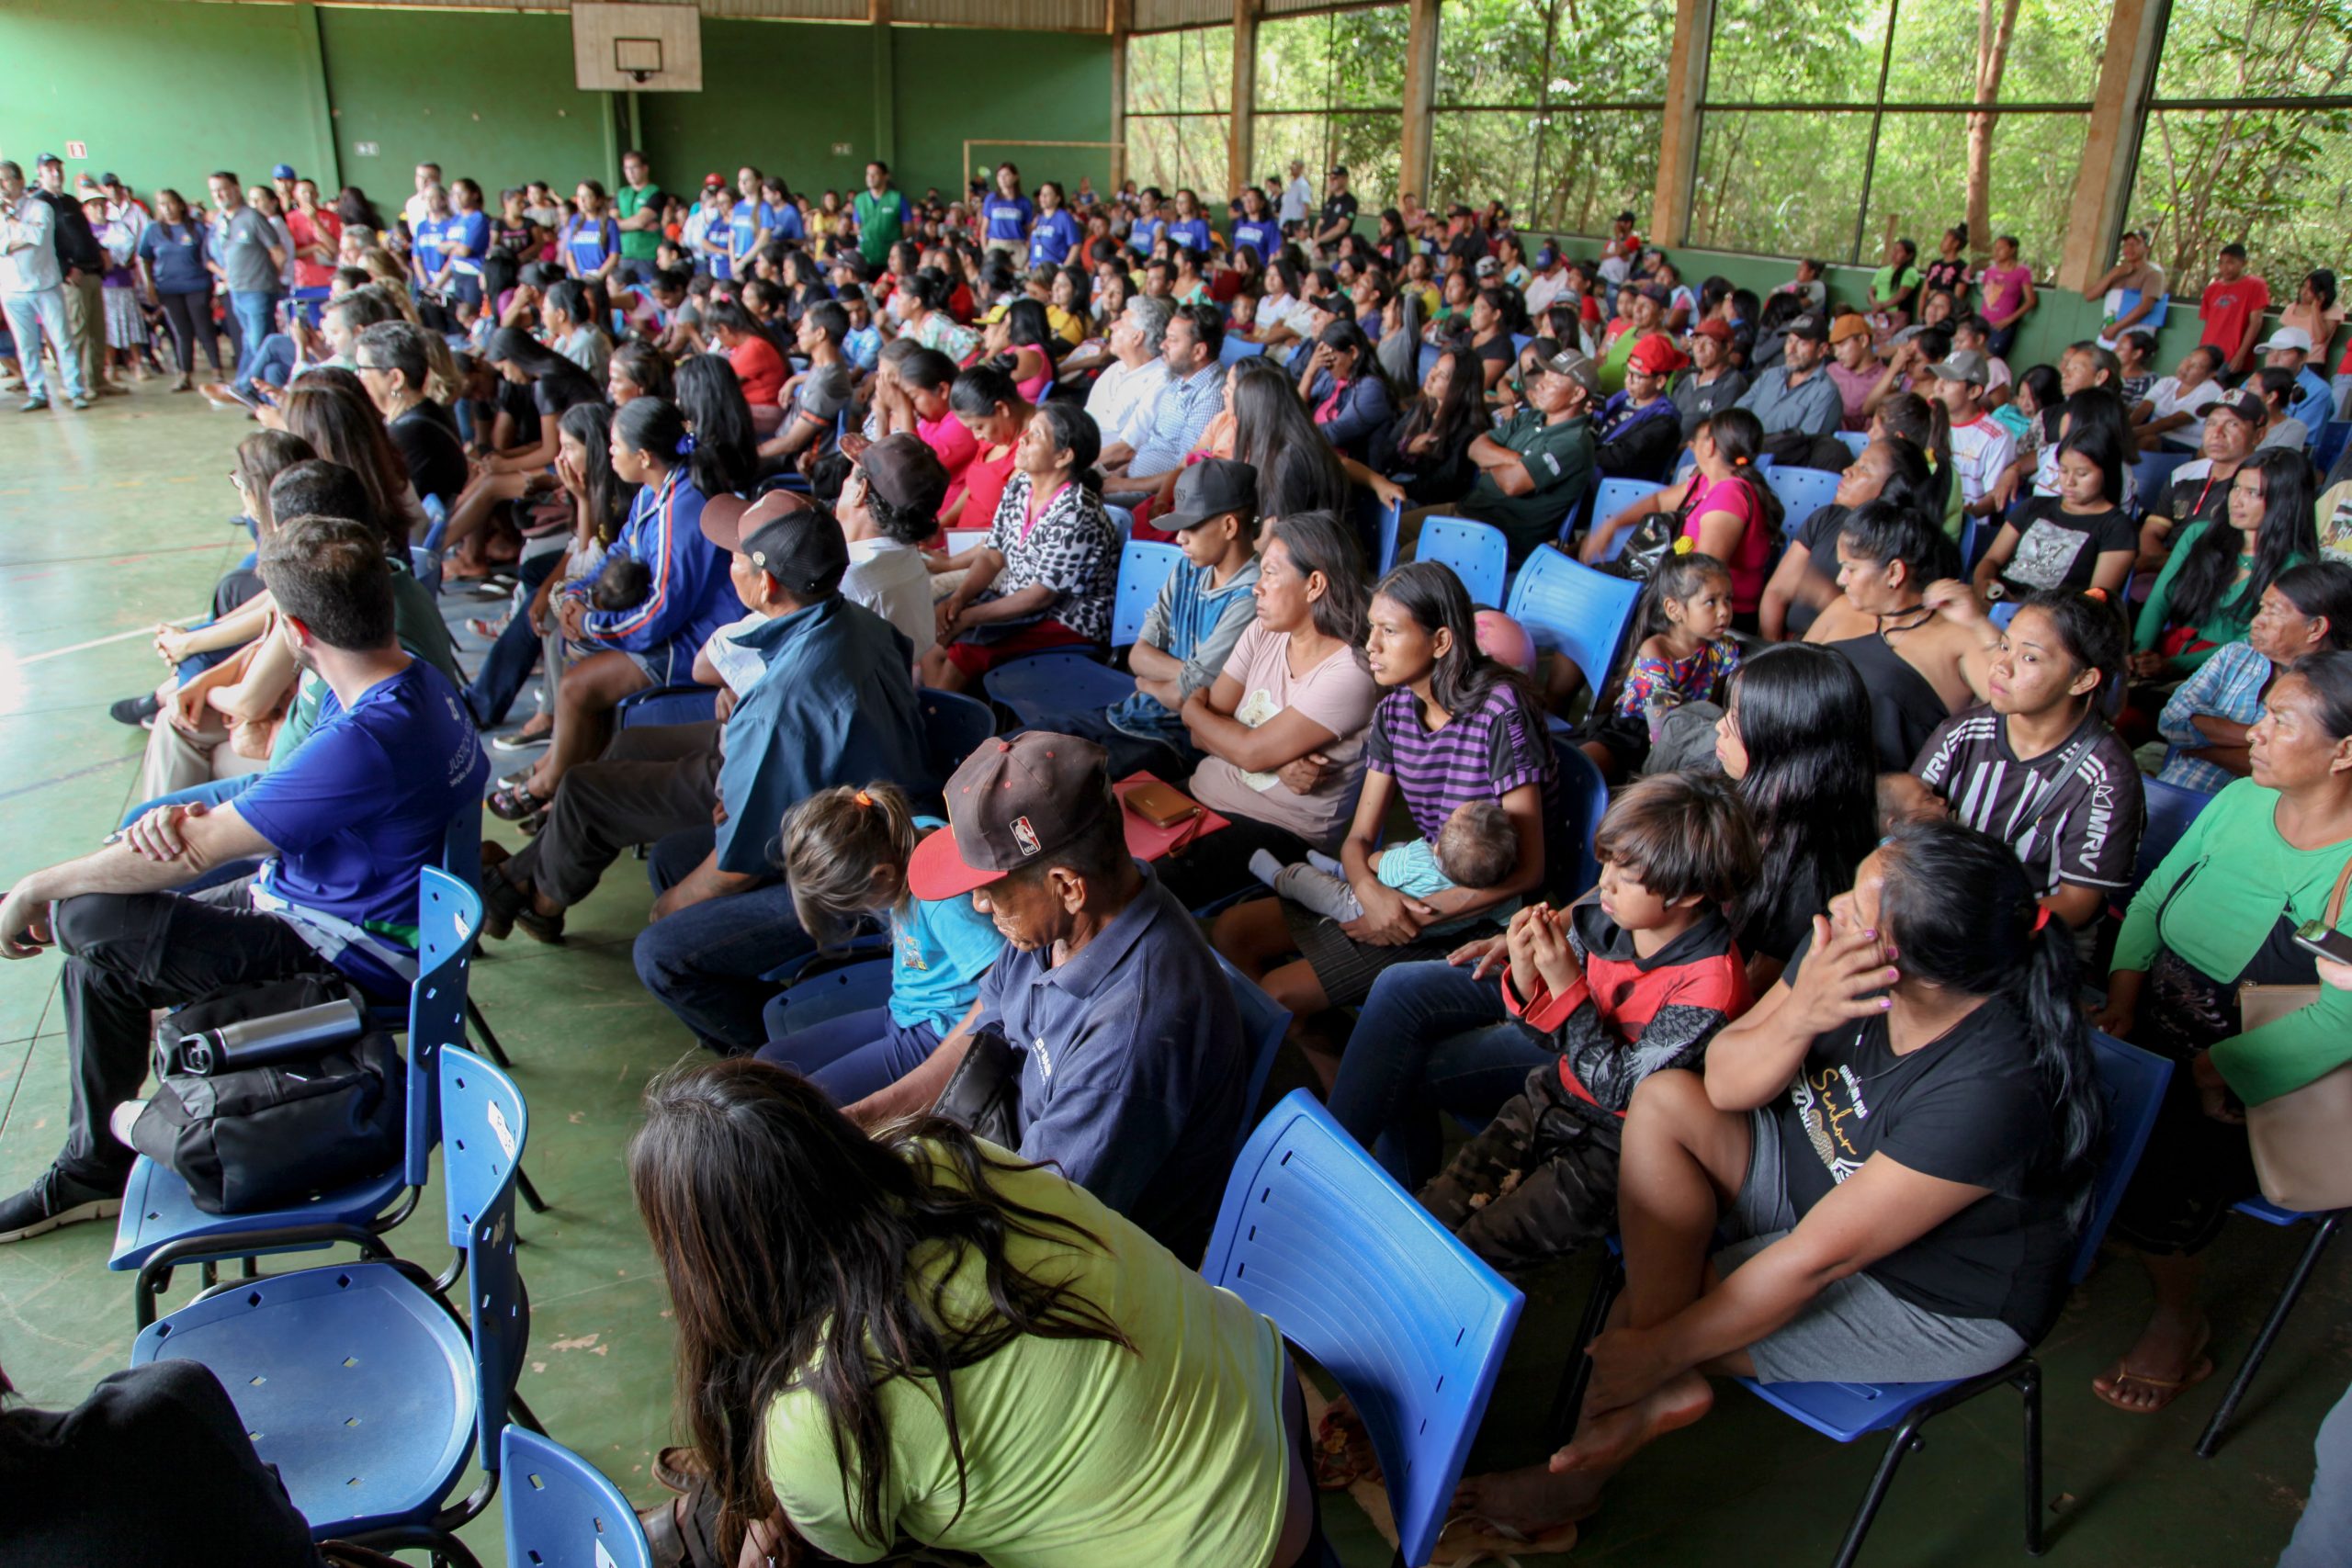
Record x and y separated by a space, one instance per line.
1478 847
1633 980
1202 611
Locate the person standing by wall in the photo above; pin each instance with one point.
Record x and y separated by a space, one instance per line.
32 291
639 205
246 258
80 261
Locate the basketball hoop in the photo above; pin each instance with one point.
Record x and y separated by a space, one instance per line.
638 59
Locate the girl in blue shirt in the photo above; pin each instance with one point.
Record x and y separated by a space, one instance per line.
1057 233
171 252
1144 233
591 241
744 227
1256 230
1006 215
465 240
779 214
845 854
1191 228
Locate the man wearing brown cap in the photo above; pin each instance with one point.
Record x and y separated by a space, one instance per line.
1131 1066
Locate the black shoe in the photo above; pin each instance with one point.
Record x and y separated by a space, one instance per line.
55 1199
135 711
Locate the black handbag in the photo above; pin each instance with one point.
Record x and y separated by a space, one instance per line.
272 1136
984 1092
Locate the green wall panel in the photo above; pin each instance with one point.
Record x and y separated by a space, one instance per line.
161 93
954 82
747 113
487 96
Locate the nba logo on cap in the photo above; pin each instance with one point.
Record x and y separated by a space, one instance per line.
1024 836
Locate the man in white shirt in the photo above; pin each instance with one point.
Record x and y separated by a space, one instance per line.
1122 396
415 210
33 290
1551 278
1982 447
1298 197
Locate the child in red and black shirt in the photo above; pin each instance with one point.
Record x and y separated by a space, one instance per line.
1633 980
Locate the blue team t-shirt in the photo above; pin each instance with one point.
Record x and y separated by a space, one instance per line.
1008 217
1146 234
744 226
1054 237
470 233
364 804
783 221
428 245
1192 232
177 253
940 948
1262 235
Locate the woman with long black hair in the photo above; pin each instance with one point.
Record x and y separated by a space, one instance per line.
710 396
1357 408
2209 590
1429 445
1906 1127
912 1334
1297 470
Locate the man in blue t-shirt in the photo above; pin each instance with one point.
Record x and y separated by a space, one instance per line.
342 826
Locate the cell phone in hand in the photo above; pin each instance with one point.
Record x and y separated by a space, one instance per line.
2317 936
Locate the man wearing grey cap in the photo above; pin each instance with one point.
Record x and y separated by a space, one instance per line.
1534 469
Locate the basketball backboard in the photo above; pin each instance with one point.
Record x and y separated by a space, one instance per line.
635 48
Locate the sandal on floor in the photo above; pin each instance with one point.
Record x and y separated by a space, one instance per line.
2168 1388
1470 1539
1343 1452
511 802
680 1467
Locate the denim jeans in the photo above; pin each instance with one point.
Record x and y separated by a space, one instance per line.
710 963
29 316
2323 1537
210 793
274 362
854 1055
507 666
1430 1038
253 309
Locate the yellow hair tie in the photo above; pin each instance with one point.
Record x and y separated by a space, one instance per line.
1684 545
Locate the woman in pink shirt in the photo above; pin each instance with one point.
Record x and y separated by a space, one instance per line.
2005 291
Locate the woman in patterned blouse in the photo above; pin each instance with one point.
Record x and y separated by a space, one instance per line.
1044 577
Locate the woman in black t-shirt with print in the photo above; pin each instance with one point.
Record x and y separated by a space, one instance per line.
2079 539
1908 1122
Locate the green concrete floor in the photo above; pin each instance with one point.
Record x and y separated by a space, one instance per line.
114 519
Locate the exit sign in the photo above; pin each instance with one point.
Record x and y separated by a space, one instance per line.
841 148
363 149
77 150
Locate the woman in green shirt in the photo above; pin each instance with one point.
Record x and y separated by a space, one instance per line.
2219 912
914 1336
2214 579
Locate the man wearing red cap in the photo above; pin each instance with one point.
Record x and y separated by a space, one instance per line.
1132 1069
1638 431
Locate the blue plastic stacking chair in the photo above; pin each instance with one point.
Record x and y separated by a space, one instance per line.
1574 611
2170 809
1361 1279
1478 553
2329 443
1426 362
1803 491
1584 799
953 726
1054 682
1610 498
365 1392
1234 350
161 1226
1264 1024
2132 1084
822 998
1519 342
561 1512
685 703
2270 1213
1392 523
1855 441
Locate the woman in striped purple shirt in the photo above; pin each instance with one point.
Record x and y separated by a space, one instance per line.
1452 726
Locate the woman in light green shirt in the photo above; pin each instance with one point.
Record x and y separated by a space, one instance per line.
915 1337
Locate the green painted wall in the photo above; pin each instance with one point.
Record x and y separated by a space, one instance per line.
163 94
954 82
489 97
743 115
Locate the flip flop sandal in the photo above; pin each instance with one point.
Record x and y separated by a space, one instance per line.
512 802
2169 1388
1470 1539
1343 1454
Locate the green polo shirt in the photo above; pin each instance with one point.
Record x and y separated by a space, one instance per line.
1558 457
639 245
880 222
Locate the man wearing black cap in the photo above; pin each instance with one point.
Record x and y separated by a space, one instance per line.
1797 394
1339 216
1132 1065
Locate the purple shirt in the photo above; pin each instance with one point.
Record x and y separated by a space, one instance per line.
1481 754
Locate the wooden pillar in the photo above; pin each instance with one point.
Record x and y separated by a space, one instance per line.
2127 78
1121 22
886 93
1420 99
313 101
1241 146
1678 148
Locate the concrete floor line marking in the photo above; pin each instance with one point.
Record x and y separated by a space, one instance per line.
147 631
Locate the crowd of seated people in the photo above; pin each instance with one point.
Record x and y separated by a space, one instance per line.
829 470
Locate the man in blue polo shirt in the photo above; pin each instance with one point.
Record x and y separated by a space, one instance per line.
342 828
1133 1066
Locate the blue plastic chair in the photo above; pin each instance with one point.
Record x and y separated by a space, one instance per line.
1392 523
1574 611
1519 342
1360 1278
1478 553
953 726
1584 799
2270 1213
686 703
1266 1023
1803 491
1122 523
1234 350
1425 362
2153 470
359 1385
1610 498
2132 1084
561 1512
1054 682
2170 809
1855 441
160 1227
822 998
2329 443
